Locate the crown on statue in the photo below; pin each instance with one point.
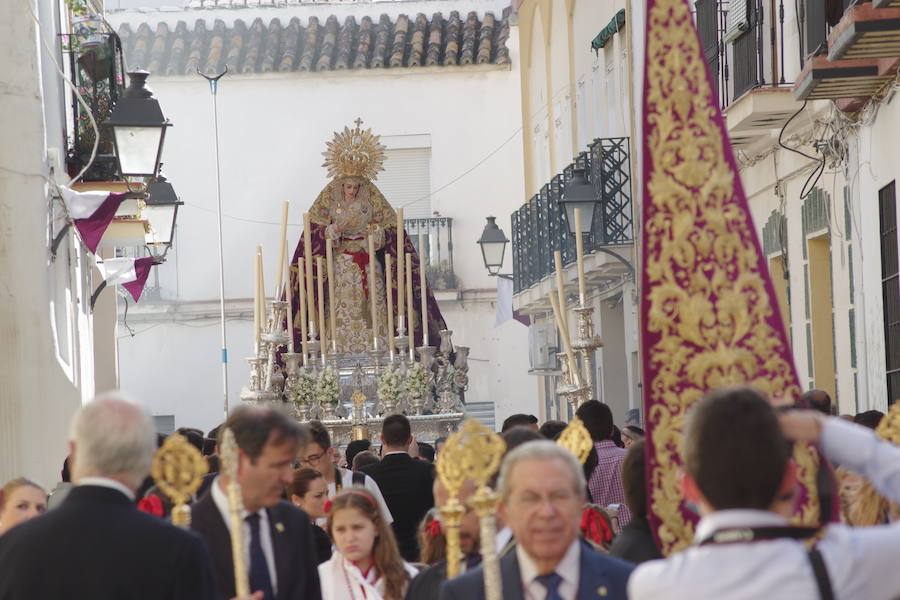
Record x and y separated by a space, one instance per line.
354 153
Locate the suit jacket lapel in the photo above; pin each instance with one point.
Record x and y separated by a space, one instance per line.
218 540
593 580
282 549
511 577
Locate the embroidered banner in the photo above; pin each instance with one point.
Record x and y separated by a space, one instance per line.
708 309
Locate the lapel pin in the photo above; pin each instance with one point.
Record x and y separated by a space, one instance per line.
601 591
279 527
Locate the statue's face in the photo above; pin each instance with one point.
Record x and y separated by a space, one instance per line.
350 190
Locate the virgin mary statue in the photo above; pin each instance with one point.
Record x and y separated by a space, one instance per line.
347 211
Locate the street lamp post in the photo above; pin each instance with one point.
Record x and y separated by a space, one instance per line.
493 248
139 130
160 212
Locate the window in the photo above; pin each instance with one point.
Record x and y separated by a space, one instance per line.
890 288
406 181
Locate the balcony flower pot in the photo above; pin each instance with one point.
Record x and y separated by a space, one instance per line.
88 30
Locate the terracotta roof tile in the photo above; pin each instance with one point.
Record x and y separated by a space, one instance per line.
269 47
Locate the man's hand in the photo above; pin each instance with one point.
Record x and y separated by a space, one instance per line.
801 425
254 596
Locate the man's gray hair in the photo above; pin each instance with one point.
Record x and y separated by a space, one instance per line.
113 436
540 450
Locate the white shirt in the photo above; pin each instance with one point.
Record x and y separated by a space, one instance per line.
265 531
342 580
107 483
369 484
503 538
861 561
567 569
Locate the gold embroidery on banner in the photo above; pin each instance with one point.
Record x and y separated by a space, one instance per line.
706 294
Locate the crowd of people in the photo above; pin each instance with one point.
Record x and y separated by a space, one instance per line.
364 521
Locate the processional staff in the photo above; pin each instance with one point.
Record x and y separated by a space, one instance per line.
229 456
178 469
473 453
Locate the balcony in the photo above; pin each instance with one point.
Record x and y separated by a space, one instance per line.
97 69
539 229
743 45
866 32
859 53
437 256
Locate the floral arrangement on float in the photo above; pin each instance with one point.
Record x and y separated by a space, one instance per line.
306 388
391 386
415 386
328 388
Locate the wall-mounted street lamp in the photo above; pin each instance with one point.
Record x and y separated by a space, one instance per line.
139 130
160 212
578 193
493 247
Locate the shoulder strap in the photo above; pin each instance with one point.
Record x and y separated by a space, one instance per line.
821 572
359 478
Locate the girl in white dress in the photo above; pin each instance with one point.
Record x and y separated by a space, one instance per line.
367 564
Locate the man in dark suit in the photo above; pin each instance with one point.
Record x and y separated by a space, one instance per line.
542 491
96 544
405 483
278 542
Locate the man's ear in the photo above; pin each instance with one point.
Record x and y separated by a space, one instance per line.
71 460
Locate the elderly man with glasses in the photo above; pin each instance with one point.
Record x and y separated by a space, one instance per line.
542 492
318 456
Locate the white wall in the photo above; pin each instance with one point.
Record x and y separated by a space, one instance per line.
876 164
272 131
41 387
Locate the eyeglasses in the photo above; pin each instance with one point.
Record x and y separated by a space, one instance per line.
312 459
556 498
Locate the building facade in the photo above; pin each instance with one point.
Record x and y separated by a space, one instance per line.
807 102
56 351
578 107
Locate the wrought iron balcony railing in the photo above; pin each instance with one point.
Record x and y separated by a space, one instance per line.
538 226
437 256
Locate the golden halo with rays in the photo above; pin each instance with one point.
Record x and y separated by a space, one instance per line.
354 153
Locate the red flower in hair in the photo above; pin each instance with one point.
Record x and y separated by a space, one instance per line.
433 528
594 527
152 505
327 506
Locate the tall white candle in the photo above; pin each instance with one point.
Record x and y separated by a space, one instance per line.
282 253
320 268
289 297
301 285
372 292
411 323
388 282
423 284
401 249
332 305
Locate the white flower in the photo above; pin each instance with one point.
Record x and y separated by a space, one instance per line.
328 387
305 388
390 386
415 384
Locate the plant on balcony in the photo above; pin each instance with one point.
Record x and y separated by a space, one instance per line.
87 26
441 276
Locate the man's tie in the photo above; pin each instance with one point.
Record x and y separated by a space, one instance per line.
551 583
259 568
